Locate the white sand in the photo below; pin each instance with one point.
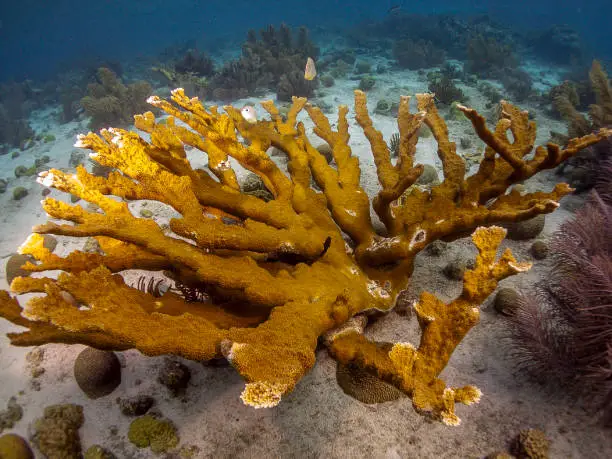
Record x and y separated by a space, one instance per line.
317 419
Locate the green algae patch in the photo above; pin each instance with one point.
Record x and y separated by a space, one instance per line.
158 434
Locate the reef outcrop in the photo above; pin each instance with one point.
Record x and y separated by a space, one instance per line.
109 102
276 276
275 59
565 100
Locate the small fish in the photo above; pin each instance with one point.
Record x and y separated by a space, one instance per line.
249 114
310 72
394 9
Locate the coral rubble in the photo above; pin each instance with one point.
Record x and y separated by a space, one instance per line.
272 277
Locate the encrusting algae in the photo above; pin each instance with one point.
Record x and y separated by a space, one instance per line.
279 274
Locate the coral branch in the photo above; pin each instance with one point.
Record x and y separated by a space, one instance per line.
453 166
278 275
118 256
348 202
415 371
394 179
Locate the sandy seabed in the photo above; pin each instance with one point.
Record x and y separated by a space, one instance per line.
317 419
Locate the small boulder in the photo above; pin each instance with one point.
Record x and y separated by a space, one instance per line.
465 143
252 182
527 229
12 446
404 304
436 248
327 80
40 162
20 171
76 157
92 246
367 83
19 193
364 386
136 406
539 250
175 376
383 107
275 152
429 176
531 444
97 372
264 194
49 242
14 266
326 151
455 269
506 301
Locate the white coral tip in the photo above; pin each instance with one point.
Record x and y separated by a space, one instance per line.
46 180
262 394
80 141
520 267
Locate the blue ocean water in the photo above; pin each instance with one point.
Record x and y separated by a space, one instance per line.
39 37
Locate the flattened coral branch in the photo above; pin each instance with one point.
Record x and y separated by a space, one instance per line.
394 179
415 371
238 273
518 122
523 133
39 333
349 204
208 233
117 316
453 166
212 124
459 204
217 137
118 256
124 315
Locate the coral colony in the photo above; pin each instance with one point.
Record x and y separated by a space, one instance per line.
282 275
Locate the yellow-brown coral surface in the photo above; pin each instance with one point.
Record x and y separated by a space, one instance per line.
280 274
